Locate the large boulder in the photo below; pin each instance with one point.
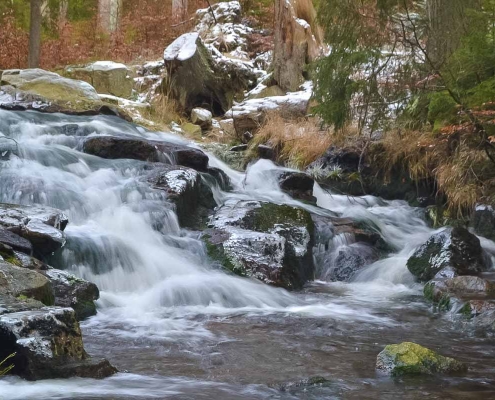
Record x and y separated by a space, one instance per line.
21 282
74 292
49 89
41 226
456 248
412 359
112 147
48 344
185 188
106 77
270 242
297 185
194 80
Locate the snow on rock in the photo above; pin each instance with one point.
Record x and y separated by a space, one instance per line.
250 114
182 48
107 66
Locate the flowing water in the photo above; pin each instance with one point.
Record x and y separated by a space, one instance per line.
177 328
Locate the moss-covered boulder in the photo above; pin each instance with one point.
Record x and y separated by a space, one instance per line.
24 283
106 77
52 88
270 242
456 248
412 359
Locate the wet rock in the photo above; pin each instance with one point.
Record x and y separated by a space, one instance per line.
412 359
234 159
452 247
216 176
74 292
15 242
297 185
106 77
483 221
11 304
116 147
112 147
201 117
185 188
48 344
344 247
270 242
41 226
24 283
444 293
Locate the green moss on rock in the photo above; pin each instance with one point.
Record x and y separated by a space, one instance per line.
412 359
217 253
264 218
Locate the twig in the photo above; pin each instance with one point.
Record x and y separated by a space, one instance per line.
212 13
182 23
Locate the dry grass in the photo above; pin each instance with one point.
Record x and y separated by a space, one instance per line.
297 143
163 111
459 166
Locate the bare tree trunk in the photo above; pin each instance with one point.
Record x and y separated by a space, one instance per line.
62 12
296 43
179 11
447 25
109 13
35 34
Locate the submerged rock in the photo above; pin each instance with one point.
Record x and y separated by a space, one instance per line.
48 344
412 359
270 242
452 247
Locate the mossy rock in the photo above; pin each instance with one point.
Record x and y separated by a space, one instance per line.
214 247
412 359
264 218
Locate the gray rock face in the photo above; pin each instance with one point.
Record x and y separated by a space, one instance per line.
105 76
266 241
48 344
111 147
15 242
24 283
41 226
452 247
74 292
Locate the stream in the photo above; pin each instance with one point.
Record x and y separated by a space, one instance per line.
176 327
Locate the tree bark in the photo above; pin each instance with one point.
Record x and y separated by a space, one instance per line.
109 13
448 23
35 34
179 11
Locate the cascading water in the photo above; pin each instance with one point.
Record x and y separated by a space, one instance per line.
162 305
